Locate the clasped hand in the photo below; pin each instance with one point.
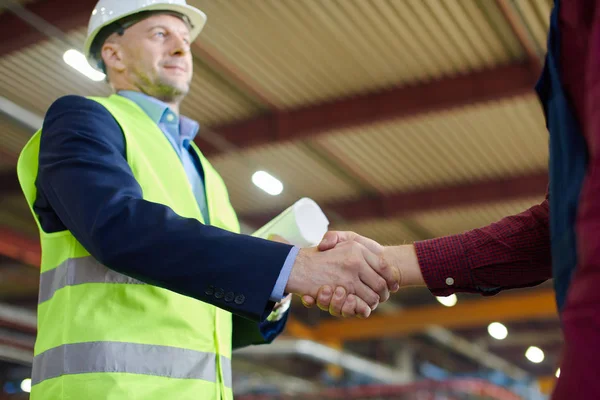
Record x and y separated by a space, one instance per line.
345 275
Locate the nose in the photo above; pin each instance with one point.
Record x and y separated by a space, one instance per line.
180 45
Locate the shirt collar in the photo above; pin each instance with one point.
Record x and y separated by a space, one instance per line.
160 112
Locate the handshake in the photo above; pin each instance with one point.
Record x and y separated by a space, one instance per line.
349 275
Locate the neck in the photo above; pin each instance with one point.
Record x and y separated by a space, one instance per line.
173 104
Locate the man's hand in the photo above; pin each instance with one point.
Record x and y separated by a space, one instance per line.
349 265
401 258
341 305
332 238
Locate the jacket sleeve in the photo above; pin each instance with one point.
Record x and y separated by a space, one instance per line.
511 253
85 185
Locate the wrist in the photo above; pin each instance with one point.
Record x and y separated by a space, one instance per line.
295 280
404 259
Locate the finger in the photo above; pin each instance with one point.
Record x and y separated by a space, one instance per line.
324 296
382 267
370 244
363 291
362 309
308 301
375 282
349 307
355 306
339 298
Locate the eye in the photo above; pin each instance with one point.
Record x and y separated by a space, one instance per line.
160 34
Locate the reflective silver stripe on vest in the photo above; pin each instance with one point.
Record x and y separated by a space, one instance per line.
226 367
77 271
132 358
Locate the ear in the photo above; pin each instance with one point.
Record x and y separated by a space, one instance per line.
112 54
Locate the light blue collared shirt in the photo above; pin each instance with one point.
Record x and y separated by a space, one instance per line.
181 131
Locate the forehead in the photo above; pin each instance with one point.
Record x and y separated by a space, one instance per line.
168 21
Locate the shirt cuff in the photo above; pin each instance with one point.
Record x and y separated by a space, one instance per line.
444 265
278 291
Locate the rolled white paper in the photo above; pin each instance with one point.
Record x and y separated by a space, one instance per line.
303 224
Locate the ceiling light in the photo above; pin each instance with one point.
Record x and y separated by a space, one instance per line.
534 354
497 330
267 182
448 301
557 373
26 385
77 61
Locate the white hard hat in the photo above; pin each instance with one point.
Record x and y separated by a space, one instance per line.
108 11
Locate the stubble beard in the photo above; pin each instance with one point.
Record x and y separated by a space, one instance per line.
161 89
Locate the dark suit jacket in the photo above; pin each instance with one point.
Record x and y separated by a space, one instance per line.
86 186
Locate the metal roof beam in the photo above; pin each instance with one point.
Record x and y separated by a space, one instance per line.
523 35
63 14
392 104
20 247
18 318
27 119
394 205
530 304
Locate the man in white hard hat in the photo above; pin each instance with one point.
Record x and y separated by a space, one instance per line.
146 285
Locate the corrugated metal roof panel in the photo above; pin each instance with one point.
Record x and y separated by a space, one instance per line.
212 101
350 46
294 165
4 5
487 140
37 75
501 26
536 15
243 194
12 136
15 214
460 219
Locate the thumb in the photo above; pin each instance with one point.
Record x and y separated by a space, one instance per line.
332 238
329 241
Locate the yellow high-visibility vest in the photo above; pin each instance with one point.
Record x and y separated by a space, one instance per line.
106 336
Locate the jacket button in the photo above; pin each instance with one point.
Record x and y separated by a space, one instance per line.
229 296
210 290
239 299
219 293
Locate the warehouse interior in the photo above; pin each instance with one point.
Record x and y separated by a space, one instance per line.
403 119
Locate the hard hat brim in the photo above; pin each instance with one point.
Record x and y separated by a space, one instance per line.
197 19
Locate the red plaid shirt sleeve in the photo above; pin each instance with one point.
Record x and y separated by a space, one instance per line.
511 253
